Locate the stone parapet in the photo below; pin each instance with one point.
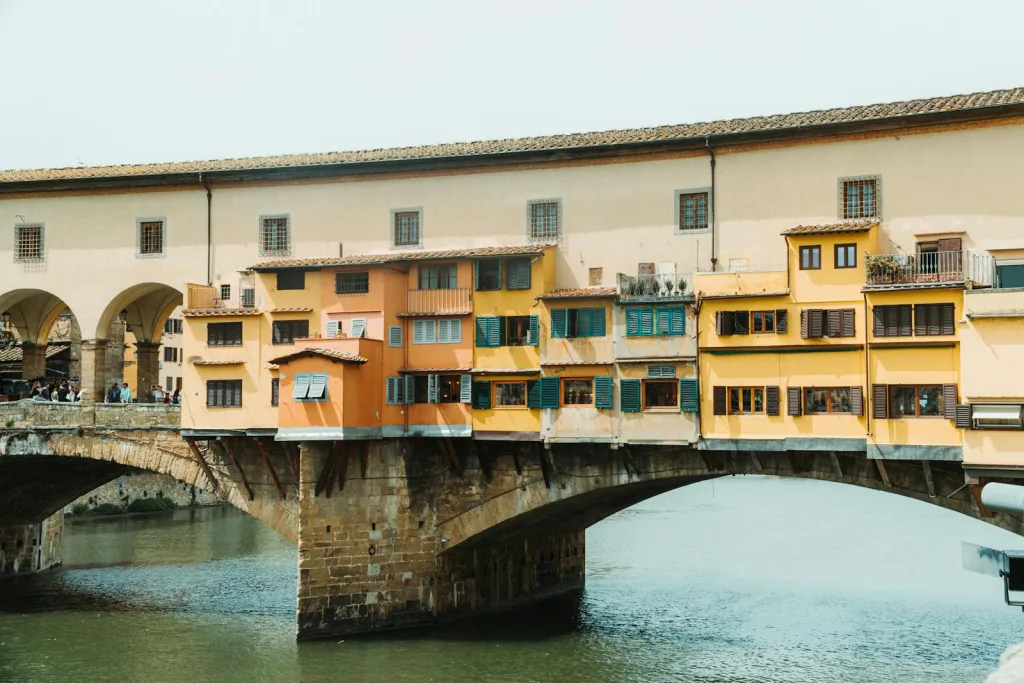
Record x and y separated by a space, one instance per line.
48 414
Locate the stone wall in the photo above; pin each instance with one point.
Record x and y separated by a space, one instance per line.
142 485
29 548
29 413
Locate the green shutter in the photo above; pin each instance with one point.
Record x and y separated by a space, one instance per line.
476 275
549 387
629 395
602 392
646 322
517 274
671 320
533 394
584 322
597 327
689 397
559 322
534 330
663 321
494 331
481 331
632 322
481 395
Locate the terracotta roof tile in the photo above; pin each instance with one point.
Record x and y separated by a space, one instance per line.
13 354
801 120
581 292
505 371
396 256
573 363
330 354
218 362
292 309
218 312
434 370
833 228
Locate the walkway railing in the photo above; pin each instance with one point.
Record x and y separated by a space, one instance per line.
929 268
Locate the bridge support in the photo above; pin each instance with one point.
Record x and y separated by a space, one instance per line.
147 355
33 361
30 548
94 371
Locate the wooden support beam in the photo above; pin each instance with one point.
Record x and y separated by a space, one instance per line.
226 443
547 453
755 461
452 454
339 451
515 459
629 462
975 490
202 462
544 468
342 467
883 474
927 467
327 471
835 464
292 452
485 463
270 466
364 457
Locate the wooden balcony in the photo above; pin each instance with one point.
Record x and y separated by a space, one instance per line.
928 269
201 297
439 302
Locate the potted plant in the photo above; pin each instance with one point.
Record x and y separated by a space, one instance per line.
681 285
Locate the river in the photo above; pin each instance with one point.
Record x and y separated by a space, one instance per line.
740 580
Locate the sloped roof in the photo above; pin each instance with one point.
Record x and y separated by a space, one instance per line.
397 256
797 122
330 354
13 354
833 228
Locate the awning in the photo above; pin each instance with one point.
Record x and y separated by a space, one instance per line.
999 411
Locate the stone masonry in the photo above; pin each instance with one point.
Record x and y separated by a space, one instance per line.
29 548
140 485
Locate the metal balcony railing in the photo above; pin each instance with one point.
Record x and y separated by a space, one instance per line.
886 270
657 287
440 301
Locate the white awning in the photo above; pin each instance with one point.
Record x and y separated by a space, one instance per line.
1003 411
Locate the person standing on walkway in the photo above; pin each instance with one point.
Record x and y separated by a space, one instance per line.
126 393
113 394
158 394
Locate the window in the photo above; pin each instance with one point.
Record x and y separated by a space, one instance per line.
310 386
225 292
577 392
860 198
577 322
352 283
395 336
28 243
517 330
449 389
746 400
893 321
224 334
828 400
439 277
274 236
517 273
510 394
927 257
810 258
1009 274
660 393
424 332
291 279
224 393
421 388
287 331
919 401
732 322
764 321
846 256
693 210
405 229
275 391
639 322
997 416
449 331
545 220
816 323
248 298
173 326
597 277
151 237
170 354
488 275
934 319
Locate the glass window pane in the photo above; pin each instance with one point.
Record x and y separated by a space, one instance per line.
839 400
510 394
901 402
661 394
758 400
930 401
577 392
734 400
815 401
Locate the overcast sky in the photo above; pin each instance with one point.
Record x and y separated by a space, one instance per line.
138 81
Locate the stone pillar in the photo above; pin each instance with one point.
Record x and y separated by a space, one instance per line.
115 354
94 371
28 548
147 355
33 360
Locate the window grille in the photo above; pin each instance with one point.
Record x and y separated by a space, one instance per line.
406 229
225 292
693 211
545 221
151 238
352 283
28 243
860 198
274 236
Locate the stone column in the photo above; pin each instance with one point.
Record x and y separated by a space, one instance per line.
33 360
94 371
147 355
115 354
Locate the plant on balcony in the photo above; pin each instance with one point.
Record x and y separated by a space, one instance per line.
890 267
666 286
681 285
650 286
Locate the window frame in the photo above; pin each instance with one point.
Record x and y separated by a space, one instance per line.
289 325
843 183
740 411
458 390
1007 263
451 276
680 228
828 401
811 250
337 282
477 275
508 328
494 395
38 258
563 391
275 391
764 315
139 241
262 242
645 382
225 382
837 250
531 220
890 403
230 341
290 272
418 211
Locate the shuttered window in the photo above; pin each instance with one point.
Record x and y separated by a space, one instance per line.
275 391
741 322
893 321
533 394
949 397
357 328
287 331
224 334
224 393
490 331
671 320
549 392
449 331
603 392
639 322
534 337
481 395
629 395
817 323
661 371
718 400
794 402
732 322
517 273
466 389
424 332
963 417
934 319
689 396
488 275
781 321
332 328
399 390
577 322
856 400
317 387
771 401
300 388
879 401
395 336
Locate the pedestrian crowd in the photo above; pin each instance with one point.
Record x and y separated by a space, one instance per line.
65 391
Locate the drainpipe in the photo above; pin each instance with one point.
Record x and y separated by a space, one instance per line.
714 259
209 230
867 372
696 355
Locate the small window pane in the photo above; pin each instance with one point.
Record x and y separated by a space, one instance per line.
577 392
693 211
661 393
449 389
509 394
517 330
274 237
352 283
151 237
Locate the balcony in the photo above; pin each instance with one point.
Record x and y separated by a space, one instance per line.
934 269
439 302
654 288
205 297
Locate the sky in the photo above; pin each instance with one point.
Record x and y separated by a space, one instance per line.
130 81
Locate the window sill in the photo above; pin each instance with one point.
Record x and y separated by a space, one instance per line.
407 246
666 409
507 408
577 405
160 255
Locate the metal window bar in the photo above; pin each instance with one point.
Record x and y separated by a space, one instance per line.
544 221
693 211
28 243
407 228
352 283
859 199
274 237
151 237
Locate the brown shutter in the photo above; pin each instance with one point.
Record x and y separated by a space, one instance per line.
947 324
720 323
849 326
803 324
794 402
816 323
835 323
781 321
718 400
950 244
963 416
905 328
949 401
920 319
771 400
879 408
879 328
856 400
741 322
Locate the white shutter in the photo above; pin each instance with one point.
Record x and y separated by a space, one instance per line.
410 389
395 335
454 331
418 331
444 331
357 327
430 332
332 328
317 387
432 388
301 388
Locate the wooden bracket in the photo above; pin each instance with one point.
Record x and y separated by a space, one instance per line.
364 455
226 442
449 454
756 462
202 462
325 482
293 458
342 467
975 490
835 464
883 474
270 466
485 462
547 458
515 459
628 461
927 467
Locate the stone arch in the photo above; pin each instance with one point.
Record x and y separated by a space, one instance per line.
146 307
38 317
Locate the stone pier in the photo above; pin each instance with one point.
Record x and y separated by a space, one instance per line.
29 548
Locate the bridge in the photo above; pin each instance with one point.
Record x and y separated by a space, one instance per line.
402 532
